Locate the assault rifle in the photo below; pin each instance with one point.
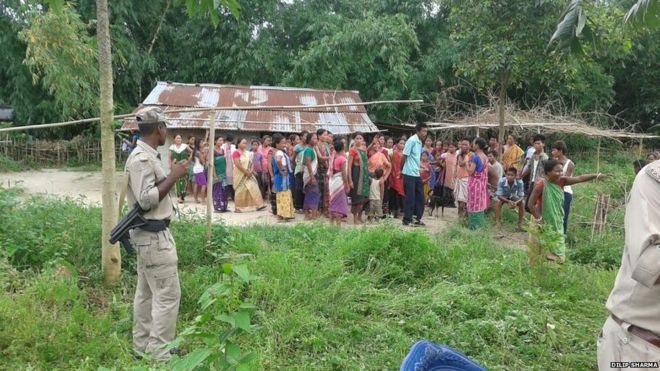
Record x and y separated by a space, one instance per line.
120 232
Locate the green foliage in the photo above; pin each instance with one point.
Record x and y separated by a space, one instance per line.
392 256
644 12
62 56
49 230
221 310
8 165
325 298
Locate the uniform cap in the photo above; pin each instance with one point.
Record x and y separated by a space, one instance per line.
151 115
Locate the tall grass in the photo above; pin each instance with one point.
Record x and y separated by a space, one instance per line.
326 298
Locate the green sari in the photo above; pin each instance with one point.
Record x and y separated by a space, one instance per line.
180 154
552 237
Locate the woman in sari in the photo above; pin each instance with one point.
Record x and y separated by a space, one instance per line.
396 180
310 178
322 149
281 166
358 178
428 176
179 152
199 167
247 195
547 206
220 199
513 154
478 196
339 186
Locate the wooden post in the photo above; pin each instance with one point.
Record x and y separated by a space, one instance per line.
641 148
209 187
598 156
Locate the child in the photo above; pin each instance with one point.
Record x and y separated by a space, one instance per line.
547 206
511 192
376 190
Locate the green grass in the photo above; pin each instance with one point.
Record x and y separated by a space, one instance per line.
327 298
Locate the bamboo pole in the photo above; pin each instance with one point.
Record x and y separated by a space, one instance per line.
231 108
209 187
598 156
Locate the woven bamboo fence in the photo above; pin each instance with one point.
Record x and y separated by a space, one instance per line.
55 153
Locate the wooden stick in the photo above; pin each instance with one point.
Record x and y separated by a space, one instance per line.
598 156
231 108
209 184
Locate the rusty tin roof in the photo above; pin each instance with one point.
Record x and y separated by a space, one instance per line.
339 120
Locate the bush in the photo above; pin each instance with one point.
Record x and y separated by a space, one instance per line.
394 256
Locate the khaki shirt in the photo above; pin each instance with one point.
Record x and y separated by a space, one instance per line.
636 298
145 171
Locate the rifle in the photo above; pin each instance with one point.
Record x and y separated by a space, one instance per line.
120 232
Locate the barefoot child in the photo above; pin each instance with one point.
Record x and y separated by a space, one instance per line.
376 191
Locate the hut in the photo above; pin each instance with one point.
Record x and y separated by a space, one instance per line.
270 117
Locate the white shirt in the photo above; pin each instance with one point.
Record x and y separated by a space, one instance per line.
567 189
374 189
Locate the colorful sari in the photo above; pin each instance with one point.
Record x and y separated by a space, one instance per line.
360 176
478 196
247 193
282 186
512 157
338 198
323 177
310 181
396 181
220 194
180 154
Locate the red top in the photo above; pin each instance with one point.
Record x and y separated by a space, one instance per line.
236 155
353 153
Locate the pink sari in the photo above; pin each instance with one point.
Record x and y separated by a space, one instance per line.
478 196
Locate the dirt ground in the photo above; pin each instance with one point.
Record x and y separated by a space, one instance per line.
86 188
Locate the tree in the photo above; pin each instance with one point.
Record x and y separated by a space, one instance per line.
575 25
111 257
508 52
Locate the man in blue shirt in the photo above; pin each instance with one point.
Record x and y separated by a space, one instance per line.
510 191
413 202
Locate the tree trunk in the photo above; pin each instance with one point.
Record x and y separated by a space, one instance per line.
504 84
111 257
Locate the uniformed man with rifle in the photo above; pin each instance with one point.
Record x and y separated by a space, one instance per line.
157 294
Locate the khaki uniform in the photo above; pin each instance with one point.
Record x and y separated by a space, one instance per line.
635 298
157 294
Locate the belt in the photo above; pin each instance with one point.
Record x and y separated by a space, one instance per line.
641 333
155 225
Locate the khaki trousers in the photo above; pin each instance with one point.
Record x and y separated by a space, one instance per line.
617 344
157 295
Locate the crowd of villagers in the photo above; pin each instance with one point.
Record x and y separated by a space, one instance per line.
320 174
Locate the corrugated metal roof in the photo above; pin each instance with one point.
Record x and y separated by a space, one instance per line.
339 120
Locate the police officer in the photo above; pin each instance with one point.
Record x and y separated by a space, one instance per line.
157 294
631 334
